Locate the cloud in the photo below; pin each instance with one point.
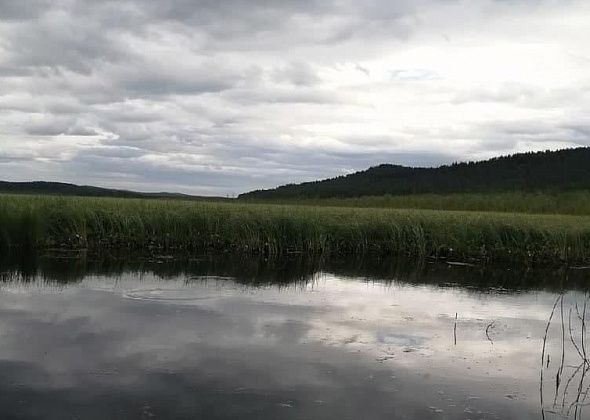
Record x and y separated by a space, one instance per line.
297 73
413 74
11 10
214 97
48 126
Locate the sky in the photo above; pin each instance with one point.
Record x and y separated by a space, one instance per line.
221 97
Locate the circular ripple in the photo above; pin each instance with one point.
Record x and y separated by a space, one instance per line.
172 295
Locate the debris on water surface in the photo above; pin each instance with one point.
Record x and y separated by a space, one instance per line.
352 339
436 410
514 396
460 264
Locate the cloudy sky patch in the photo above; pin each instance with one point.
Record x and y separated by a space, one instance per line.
218 98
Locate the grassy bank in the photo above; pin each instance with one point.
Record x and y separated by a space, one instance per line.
569 202
180 226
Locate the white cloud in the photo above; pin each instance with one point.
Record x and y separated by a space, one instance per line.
222 97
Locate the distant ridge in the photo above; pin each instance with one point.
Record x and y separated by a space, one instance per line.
62 188
566 169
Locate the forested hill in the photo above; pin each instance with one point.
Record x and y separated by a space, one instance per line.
61 188
566 169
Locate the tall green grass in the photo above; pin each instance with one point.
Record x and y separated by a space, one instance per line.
188 227
568 202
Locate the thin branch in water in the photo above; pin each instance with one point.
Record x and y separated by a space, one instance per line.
490 325
583 344
581 405
572 336
578 312
567 384
559 372
455 329
543 354
584 332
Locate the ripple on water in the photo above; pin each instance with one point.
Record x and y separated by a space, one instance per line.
181 296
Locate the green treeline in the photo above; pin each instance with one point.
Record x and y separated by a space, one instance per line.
561 170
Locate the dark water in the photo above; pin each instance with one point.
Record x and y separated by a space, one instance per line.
84 338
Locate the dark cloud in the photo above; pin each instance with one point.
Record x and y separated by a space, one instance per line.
224 96
61 42
49 126
580 130
17 10
158 84
301 95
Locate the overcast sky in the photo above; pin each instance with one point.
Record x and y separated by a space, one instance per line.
223 96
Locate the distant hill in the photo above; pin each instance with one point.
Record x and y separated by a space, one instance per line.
566 169
61 188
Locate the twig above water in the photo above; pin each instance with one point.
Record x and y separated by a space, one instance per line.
543 354
579 372
455 329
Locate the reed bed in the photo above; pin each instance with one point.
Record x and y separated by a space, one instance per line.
563 202
175 226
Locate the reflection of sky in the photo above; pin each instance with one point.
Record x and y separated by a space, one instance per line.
335 348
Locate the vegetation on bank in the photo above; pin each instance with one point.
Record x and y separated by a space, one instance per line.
559 170
568 202
177 226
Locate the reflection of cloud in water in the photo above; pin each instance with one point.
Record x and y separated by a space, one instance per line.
389 337
327 350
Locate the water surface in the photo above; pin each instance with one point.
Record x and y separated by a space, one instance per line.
248 339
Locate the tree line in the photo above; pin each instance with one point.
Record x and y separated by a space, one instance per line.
567 169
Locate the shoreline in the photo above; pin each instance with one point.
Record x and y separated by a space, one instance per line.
282 270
